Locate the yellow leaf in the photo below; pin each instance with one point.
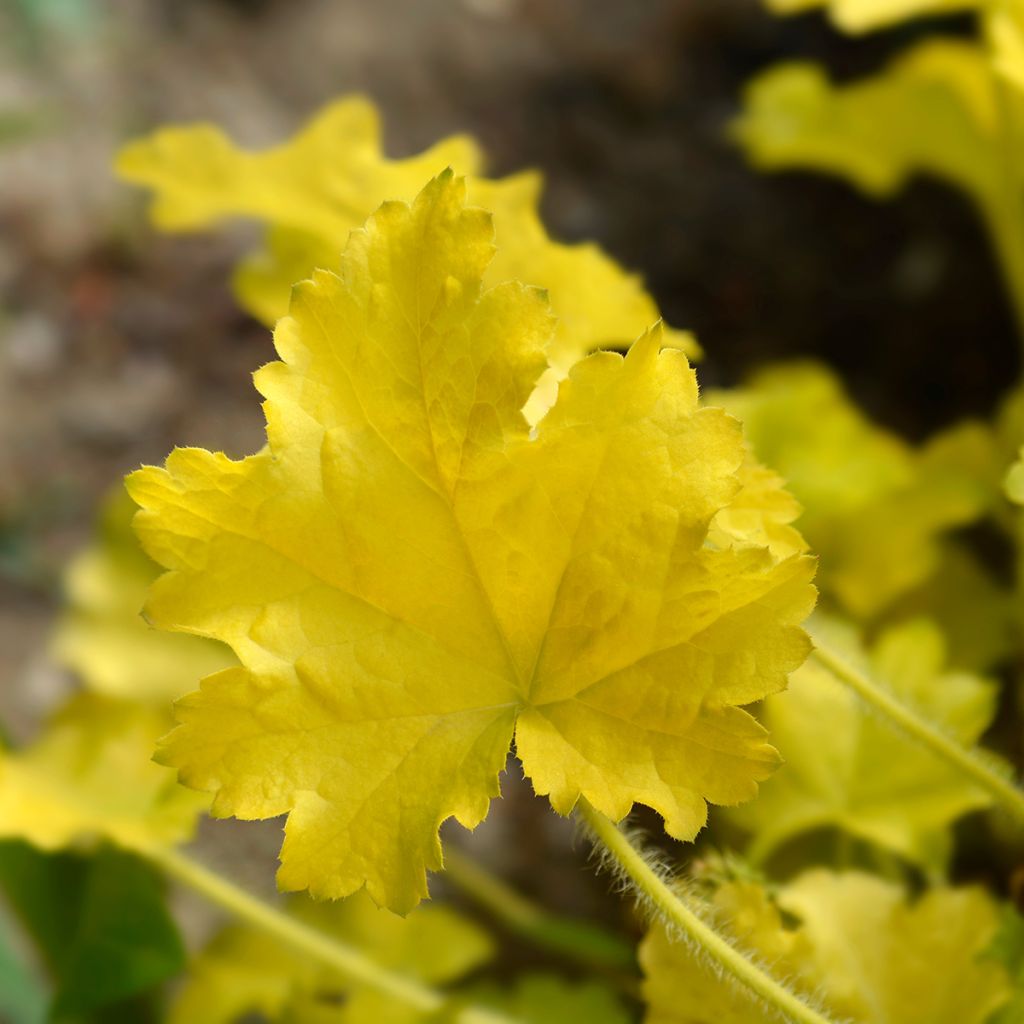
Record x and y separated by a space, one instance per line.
243 971
875 510
312 191
883 959
856 16
332 171
409 574
933 111
859 949
91 775
102 636
1004 27
847 768
761 513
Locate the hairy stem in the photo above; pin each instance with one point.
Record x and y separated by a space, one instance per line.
348 961
969 762
679 913
586 943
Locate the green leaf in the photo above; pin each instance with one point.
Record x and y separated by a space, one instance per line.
100 923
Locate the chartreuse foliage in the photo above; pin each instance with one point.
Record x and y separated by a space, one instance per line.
874 509
409 575
90 776
867 780
244 971
312 191
102 636
859 946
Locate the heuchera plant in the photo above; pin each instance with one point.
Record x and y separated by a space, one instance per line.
474 531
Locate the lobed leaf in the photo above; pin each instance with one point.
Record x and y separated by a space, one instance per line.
934 111
409 575
313 190
849 769
874 509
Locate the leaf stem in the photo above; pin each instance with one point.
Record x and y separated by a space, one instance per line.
676 910
969 762
348 961
581 941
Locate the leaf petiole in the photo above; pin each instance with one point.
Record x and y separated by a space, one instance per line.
674 909
969 762
348 961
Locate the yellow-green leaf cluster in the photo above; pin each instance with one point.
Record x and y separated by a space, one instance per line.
102 636
243 971
850 769
860 949
410 575
316 188
875 509
90 775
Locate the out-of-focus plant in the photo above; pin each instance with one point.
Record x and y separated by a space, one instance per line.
948 108
313 190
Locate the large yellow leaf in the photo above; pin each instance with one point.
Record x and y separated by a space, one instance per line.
875 509
102 636
847 768
859 949
409 574
91 775
243 971
312 191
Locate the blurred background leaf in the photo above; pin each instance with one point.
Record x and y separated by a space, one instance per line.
101 927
